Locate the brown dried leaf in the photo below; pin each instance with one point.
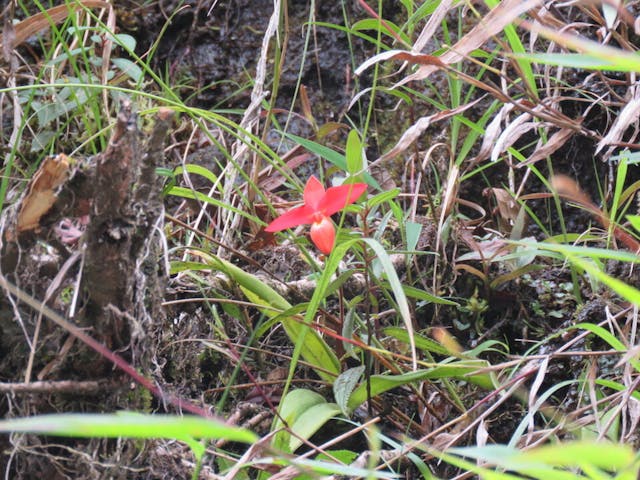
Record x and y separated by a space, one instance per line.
485 250
43 20
568 188
512 134
416 130
492 24
508 208
491 134
557 140
41 191
418 58
432 25
305 104
448 200
627 116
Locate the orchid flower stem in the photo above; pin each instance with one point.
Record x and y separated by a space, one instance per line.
339 345
368 358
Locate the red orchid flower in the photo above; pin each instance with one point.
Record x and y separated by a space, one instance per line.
319 205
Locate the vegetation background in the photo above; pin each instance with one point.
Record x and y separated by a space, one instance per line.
476 317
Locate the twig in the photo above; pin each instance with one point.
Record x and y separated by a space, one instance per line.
63 386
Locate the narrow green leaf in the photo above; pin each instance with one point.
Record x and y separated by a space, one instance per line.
610 456
607 337
398 292
422 343
621 177
374 24
344 386
333 157
188 193
413 230
310 421
384 383
127 425
129 68
567 250
619 61
292 407
383 197
329 468
626 291
354 153
419 294
313 349
197 170
635 221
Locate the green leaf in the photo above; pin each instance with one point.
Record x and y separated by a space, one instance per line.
348 327
354 153
607 337
398 292
310 421
125 41
304 411
128 68
626 291
313 349
418 294
329 468
127 425
567 250
635 221
543 462
198 170
374 24
620 61
610 456
192 194
383 383
423 343
383 197
344 456
344 386
296 402
333 157
618 387
413 230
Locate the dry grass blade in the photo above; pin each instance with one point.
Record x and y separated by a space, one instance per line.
512 134
43 20
415 131
432 25
492 24
240 149
627 116
619 59
508 208
556 141
420 58
569 189
492 132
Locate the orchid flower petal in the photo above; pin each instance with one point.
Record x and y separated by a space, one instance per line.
313 193
292 218
336 198
323 234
